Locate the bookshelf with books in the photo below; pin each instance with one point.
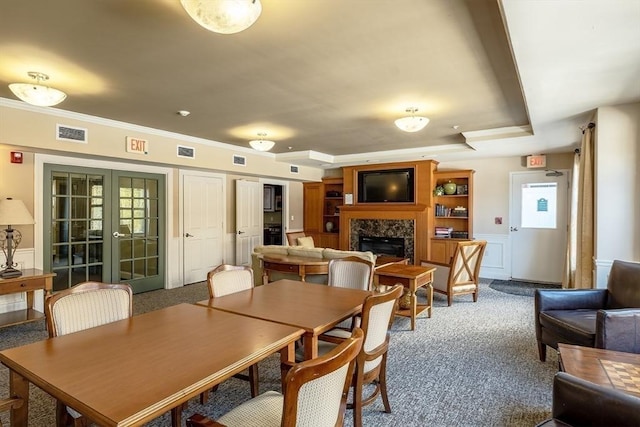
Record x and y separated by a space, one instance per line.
452 212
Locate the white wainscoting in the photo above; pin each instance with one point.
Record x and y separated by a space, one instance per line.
18 301
229 256
601 273
496 263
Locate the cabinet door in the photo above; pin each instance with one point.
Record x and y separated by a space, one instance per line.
313 198
438 250
329 240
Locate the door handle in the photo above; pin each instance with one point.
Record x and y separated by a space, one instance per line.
240 232
116 234
189 235
514 228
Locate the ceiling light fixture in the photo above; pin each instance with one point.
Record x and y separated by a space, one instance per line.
261 144
223 16
36 93
412 123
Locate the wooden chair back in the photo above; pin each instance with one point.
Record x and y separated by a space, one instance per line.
87 305
315 391
228 279
465 263
292 237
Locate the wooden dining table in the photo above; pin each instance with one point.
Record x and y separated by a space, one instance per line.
129 372
312 307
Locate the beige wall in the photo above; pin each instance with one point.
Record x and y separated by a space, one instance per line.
16 181
617 187
491 187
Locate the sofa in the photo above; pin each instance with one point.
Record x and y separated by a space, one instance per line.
302 251
601 318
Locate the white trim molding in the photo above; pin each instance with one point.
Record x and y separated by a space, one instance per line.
496 262
601 269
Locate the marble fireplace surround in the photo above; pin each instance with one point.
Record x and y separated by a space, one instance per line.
404 228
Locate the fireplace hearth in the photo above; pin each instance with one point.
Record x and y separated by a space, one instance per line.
390 246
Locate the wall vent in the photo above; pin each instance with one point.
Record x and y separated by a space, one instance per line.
186 152
293 169
72 134
239 160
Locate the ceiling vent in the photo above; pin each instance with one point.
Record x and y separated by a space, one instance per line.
186 152
293 169
239 160
71 134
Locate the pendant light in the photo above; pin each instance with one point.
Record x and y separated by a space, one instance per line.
261 144
36 93
223 16
412 123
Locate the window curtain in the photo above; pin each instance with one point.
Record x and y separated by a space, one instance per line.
579 260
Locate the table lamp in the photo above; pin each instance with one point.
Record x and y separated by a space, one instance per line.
12 212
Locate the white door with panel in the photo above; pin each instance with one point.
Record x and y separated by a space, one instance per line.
203 226
249 219
539 219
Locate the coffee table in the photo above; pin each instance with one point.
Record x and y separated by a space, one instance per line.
412 277
302 266
613 369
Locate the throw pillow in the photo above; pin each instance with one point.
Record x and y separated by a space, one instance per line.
306 242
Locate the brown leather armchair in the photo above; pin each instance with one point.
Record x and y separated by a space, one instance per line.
577 402
601 318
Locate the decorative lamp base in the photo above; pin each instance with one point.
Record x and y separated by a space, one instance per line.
10 272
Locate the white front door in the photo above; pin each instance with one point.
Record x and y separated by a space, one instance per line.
203 226
539 210
249 219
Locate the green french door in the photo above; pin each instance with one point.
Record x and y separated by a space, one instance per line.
104 225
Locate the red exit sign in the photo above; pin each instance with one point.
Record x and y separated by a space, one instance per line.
539 161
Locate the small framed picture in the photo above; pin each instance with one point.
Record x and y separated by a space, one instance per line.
462 189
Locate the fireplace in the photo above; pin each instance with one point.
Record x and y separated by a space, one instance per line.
391 246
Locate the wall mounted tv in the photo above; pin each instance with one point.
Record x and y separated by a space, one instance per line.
392 185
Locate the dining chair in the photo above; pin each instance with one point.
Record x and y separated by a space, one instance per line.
350 272
315 394
84 306
292 237
461 275
224 280
371 364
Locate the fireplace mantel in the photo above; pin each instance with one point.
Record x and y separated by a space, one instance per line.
418 212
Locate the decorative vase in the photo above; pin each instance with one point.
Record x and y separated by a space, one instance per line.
405 300
439 191
329 226
450 188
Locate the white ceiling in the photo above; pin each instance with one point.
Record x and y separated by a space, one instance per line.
326 79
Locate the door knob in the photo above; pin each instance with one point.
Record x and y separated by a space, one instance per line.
240 232
514 228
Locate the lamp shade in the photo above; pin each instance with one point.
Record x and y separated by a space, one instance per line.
14 212
412 123
37 94
223 16
261 144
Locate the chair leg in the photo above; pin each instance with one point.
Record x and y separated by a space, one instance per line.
254 380
542 351
357 401
449 299
176 416
382 381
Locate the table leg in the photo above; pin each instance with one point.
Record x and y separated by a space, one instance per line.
30 299
430 298
310 343
414 303
287 359
19 387
265 277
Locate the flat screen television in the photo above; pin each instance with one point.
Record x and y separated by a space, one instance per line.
392 185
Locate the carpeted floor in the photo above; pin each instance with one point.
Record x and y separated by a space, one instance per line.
517 287
471 364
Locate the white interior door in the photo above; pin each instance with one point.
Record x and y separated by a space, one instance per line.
203 226
249 219
539 218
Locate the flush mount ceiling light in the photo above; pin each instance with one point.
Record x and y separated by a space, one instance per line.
36 93
412 123
261 144
223 16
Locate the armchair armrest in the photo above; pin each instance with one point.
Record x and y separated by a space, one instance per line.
570 299
441 275
10 403
618 330
580 402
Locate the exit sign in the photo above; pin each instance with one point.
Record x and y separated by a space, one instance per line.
137 145
539 161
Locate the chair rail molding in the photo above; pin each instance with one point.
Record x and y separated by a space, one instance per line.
496 263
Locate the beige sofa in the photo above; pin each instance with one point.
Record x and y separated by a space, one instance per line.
327 253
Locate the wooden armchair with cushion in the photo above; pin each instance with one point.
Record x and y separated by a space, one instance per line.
315 393
81 307
461 275
293 236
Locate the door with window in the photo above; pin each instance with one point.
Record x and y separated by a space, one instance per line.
539 207
104 225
